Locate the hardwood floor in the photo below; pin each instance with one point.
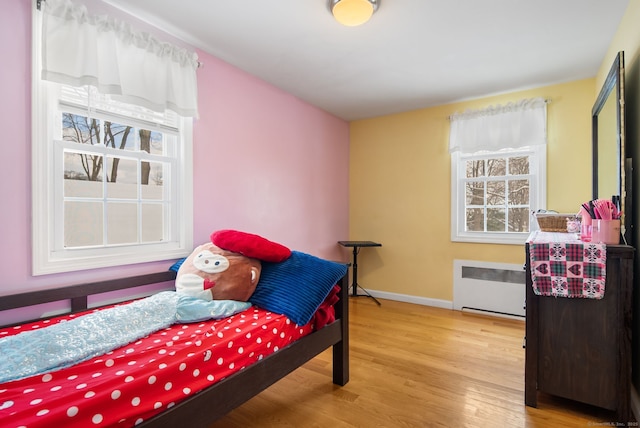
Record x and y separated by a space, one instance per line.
416 366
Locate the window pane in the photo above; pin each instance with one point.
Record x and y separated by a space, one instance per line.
82 224
151 142
475 219
495 193
119 136
153 180
496 167
122 223
519 165
518 192
122 178
80 129
496 220
475 193
152 223
82 175
518 219
475 168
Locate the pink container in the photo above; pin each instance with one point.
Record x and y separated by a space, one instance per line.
585 232
605 231
586 218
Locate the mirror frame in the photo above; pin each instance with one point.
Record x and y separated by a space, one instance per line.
614 81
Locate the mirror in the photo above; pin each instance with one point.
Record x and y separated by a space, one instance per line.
609 142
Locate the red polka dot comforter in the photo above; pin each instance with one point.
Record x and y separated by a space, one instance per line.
137 381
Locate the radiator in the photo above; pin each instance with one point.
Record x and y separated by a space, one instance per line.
497 288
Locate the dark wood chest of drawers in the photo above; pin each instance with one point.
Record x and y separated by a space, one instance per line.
581 348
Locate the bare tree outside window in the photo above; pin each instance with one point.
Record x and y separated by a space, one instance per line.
145 145
85 130
497 194
82 130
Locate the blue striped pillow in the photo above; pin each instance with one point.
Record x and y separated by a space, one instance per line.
297 286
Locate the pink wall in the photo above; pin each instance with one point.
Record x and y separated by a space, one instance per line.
268 163
264 162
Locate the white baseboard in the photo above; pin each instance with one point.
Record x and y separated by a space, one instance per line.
446 304
437 303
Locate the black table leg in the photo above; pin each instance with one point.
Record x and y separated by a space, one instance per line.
354 283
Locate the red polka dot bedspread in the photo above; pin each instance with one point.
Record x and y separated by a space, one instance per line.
135 382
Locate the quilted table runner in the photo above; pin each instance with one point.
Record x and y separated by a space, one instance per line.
563 266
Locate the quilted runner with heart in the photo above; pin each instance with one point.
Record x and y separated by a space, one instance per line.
563 266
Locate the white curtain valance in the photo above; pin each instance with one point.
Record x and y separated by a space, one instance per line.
512 125
81 49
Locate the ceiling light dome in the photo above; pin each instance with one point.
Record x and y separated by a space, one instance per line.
353 12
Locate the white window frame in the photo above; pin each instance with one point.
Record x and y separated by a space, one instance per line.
537 194
48 254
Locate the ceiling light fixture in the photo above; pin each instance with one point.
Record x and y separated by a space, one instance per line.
353 12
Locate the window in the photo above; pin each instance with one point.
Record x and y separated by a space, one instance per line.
493 194
111 180
498 171
115 180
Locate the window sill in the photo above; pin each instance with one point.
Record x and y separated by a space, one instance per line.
492 238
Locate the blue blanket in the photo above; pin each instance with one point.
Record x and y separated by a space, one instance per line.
70 342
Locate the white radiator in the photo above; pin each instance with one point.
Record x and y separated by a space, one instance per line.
492 287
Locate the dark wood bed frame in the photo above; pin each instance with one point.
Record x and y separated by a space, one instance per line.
214 402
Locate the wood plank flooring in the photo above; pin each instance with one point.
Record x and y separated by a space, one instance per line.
416 366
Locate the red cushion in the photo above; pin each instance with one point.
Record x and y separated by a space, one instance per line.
250 245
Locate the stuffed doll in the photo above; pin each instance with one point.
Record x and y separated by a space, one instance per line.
229 267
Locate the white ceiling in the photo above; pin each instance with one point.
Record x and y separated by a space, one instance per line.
411 54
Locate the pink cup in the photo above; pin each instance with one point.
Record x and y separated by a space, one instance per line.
605 231
585 225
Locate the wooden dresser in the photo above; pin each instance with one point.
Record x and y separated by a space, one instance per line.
580 348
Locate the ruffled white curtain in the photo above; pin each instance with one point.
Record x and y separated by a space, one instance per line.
82 49
499 127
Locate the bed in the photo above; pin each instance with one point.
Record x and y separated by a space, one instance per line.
215 400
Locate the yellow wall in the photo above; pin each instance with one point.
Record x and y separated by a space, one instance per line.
400 188
627 39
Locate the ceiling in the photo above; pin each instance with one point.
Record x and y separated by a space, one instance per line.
411 54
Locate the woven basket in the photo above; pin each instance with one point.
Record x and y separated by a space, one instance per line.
552 222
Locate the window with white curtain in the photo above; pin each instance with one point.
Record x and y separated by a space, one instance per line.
112 119
498 171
